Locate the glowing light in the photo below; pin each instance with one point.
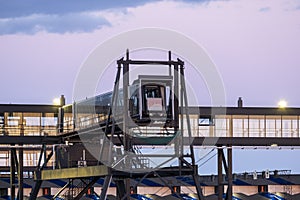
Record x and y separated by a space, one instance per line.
56 101
282 104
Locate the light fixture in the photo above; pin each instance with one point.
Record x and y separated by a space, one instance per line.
282 104
56 101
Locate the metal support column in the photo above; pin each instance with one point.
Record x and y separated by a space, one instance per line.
220 174
176 108
197 183
38 182
229 173
61 190
105 186
12 173
60 120
20 175
125 99
121 191
85 189
110 118
228 169
127 143
187 114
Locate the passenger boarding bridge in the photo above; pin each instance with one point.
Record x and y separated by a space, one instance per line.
38 126
264 122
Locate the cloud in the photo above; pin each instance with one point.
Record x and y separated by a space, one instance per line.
16 8
57 16
72 22
61 16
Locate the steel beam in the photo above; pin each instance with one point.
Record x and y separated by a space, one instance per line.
90 184
32 108
38 181
245 141
220 175
12 173
121 191
27 140
197 183
148 62
62 189
35 189
229 174
126 142
224 162
105 187
218 141
20 175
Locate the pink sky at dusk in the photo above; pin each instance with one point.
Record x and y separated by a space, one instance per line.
254 44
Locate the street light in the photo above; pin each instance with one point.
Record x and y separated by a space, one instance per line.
59 101
282 104
56 101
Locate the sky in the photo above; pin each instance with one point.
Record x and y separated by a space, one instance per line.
254 44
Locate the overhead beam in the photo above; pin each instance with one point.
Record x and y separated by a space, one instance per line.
245 141
28 140
220 141
32 108
149 62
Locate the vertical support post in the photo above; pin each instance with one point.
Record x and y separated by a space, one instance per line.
35 189
229 172
176 95
181 118
20 174
61 114
60 120
170 66
197 183
38 182
74 114
45 155
21 164
127 143
125 99
105 186
84 190
231 126
185 105
110 118
127 188
220 174
121 191
176 106
12 173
